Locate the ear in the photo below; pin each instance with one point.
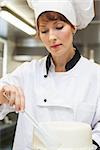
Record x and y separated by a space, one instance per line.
74 29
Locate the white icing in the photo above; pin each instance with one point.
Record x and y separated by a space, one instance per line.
70 136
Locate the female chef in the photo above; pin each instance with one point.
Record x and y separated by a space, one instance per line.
63 86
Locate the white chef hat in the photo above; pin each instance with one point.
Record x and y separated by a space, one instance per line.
79 12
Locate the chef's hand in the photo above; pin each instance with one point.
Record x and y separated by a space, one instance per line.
12 95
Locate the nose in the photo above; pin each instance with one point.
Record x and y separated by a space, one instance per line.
52 35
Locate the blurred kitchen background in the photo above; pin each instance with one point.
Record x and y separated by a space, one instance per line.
19 45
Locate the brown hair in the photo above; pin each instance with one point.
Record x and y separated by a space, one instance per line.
50 16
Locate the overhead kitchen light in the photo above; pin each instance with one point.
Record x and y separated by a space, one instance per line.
17 20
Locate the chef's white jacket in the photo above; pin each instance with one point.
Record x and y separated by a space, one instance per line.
62 96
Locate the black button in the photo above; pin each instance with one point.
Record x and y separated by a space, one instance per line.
45 76
45 100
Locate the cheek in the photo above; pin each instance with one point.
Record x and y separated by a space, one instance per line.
67 34
43 38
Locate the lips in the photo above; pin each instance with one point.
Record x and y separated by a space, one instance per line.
55 46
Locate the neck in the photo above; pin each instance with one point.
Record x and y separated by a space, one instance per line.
61 61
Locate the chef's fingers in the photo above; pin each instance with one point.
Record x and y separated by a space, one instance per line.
13 93
17 102
3 98
6 93
6 89
15 96
22 99
10 93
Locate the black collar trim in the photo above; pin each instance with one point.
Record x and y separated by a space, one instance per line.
68 66
73 61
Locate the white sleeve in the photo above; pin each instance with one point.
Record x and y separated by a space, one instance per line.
96 120
15 78
4 110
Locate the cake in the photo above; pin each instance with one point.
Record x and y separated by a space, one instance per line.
66 136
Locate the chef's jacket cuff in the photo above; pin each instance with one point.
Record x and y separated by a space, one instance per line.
4 110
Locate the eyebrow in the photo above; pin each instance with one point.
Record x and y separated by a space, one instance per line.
54 22
42 26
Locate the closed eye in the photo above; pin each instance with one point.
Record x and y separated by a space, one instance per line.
45 31
59 28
